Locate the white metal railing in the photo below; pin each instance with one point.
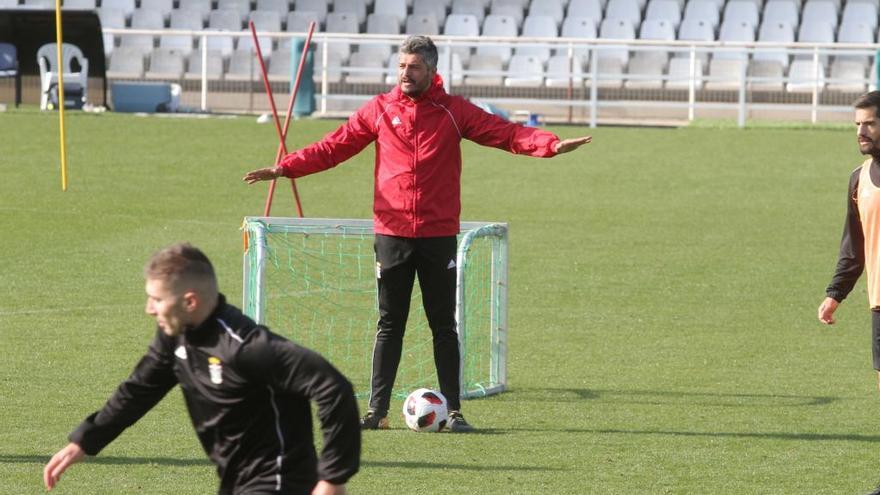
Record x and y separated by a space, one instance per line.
593 79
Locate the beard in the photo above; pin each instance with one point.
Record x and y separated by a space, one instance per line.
869 148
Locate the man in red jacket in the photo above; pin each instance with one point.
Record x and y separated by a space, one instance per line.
417 128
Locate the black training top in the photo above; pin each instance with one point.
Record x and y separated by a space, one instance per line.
248 393
851 260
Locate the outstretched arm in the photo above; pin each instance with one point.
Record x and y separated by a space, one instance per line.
59 462
571 144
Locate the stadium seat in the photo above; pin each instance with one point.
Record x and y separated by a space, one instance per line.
203 7
380 24
740 11
802 77
859 12
659 30
450 70
163 7
512 8
616 29
334 67
487 69
585 8
540 26
627 10
38 4
280 7
470 7
265 21
223 44
524 71
126 6
462 25
341 22
184 20
549 8
847 76
9 4
815 32
298 22
703 10
579 27
432 8
726 74
111 18
214 67
246 42
742 31
765 75
679 76
820 11
165 65
142 20
280 67
563 71
859 33
126 63
775 32
70 5
645 72
665 10
396 8
241 7
422 24
224 20
74 68
318 7
610 71
354 7
498 26
786 11
365 69
243 66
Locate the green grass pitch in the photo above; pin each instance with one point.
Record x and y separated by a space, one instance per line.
664 286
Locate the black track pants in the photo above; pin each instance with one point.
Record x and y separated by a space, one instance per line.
399 260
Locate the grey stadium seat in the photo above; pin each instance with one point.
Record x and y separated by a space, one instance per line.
165 65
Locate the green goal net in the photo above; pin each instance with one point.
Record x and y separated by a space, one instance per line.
314 281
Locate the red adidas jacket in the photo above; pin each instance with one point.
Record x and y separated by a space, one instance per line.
418 157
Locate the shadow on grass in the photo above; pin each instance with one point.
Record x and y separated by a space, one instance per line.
109 460
464 467
660 397
820 437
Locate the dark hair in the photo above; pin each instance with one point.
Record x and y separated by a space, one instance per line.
422 46
869 100
179 263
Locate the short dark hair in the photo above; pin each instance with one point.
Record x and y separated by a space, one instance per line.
181 263
870 99
422 46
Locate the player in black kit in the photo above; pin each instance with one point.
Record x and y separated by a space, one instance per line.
247 390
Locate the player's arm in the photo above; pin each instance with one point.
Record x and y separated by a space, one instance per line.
851 258
338 146
59 463
487 129
151 379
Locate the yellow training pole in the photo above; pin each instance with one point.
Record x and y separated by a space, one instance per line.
59 41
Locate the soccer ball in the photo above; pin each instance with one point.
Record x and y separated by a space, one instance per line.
425 410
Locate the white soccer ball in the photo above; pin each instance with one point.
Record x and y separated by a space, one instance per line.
425 410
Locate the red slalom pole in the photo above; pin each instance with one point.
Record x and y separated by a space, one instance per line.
282 134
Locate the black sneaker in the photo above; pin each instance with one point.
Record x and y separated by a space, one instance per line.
372 421
457 423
